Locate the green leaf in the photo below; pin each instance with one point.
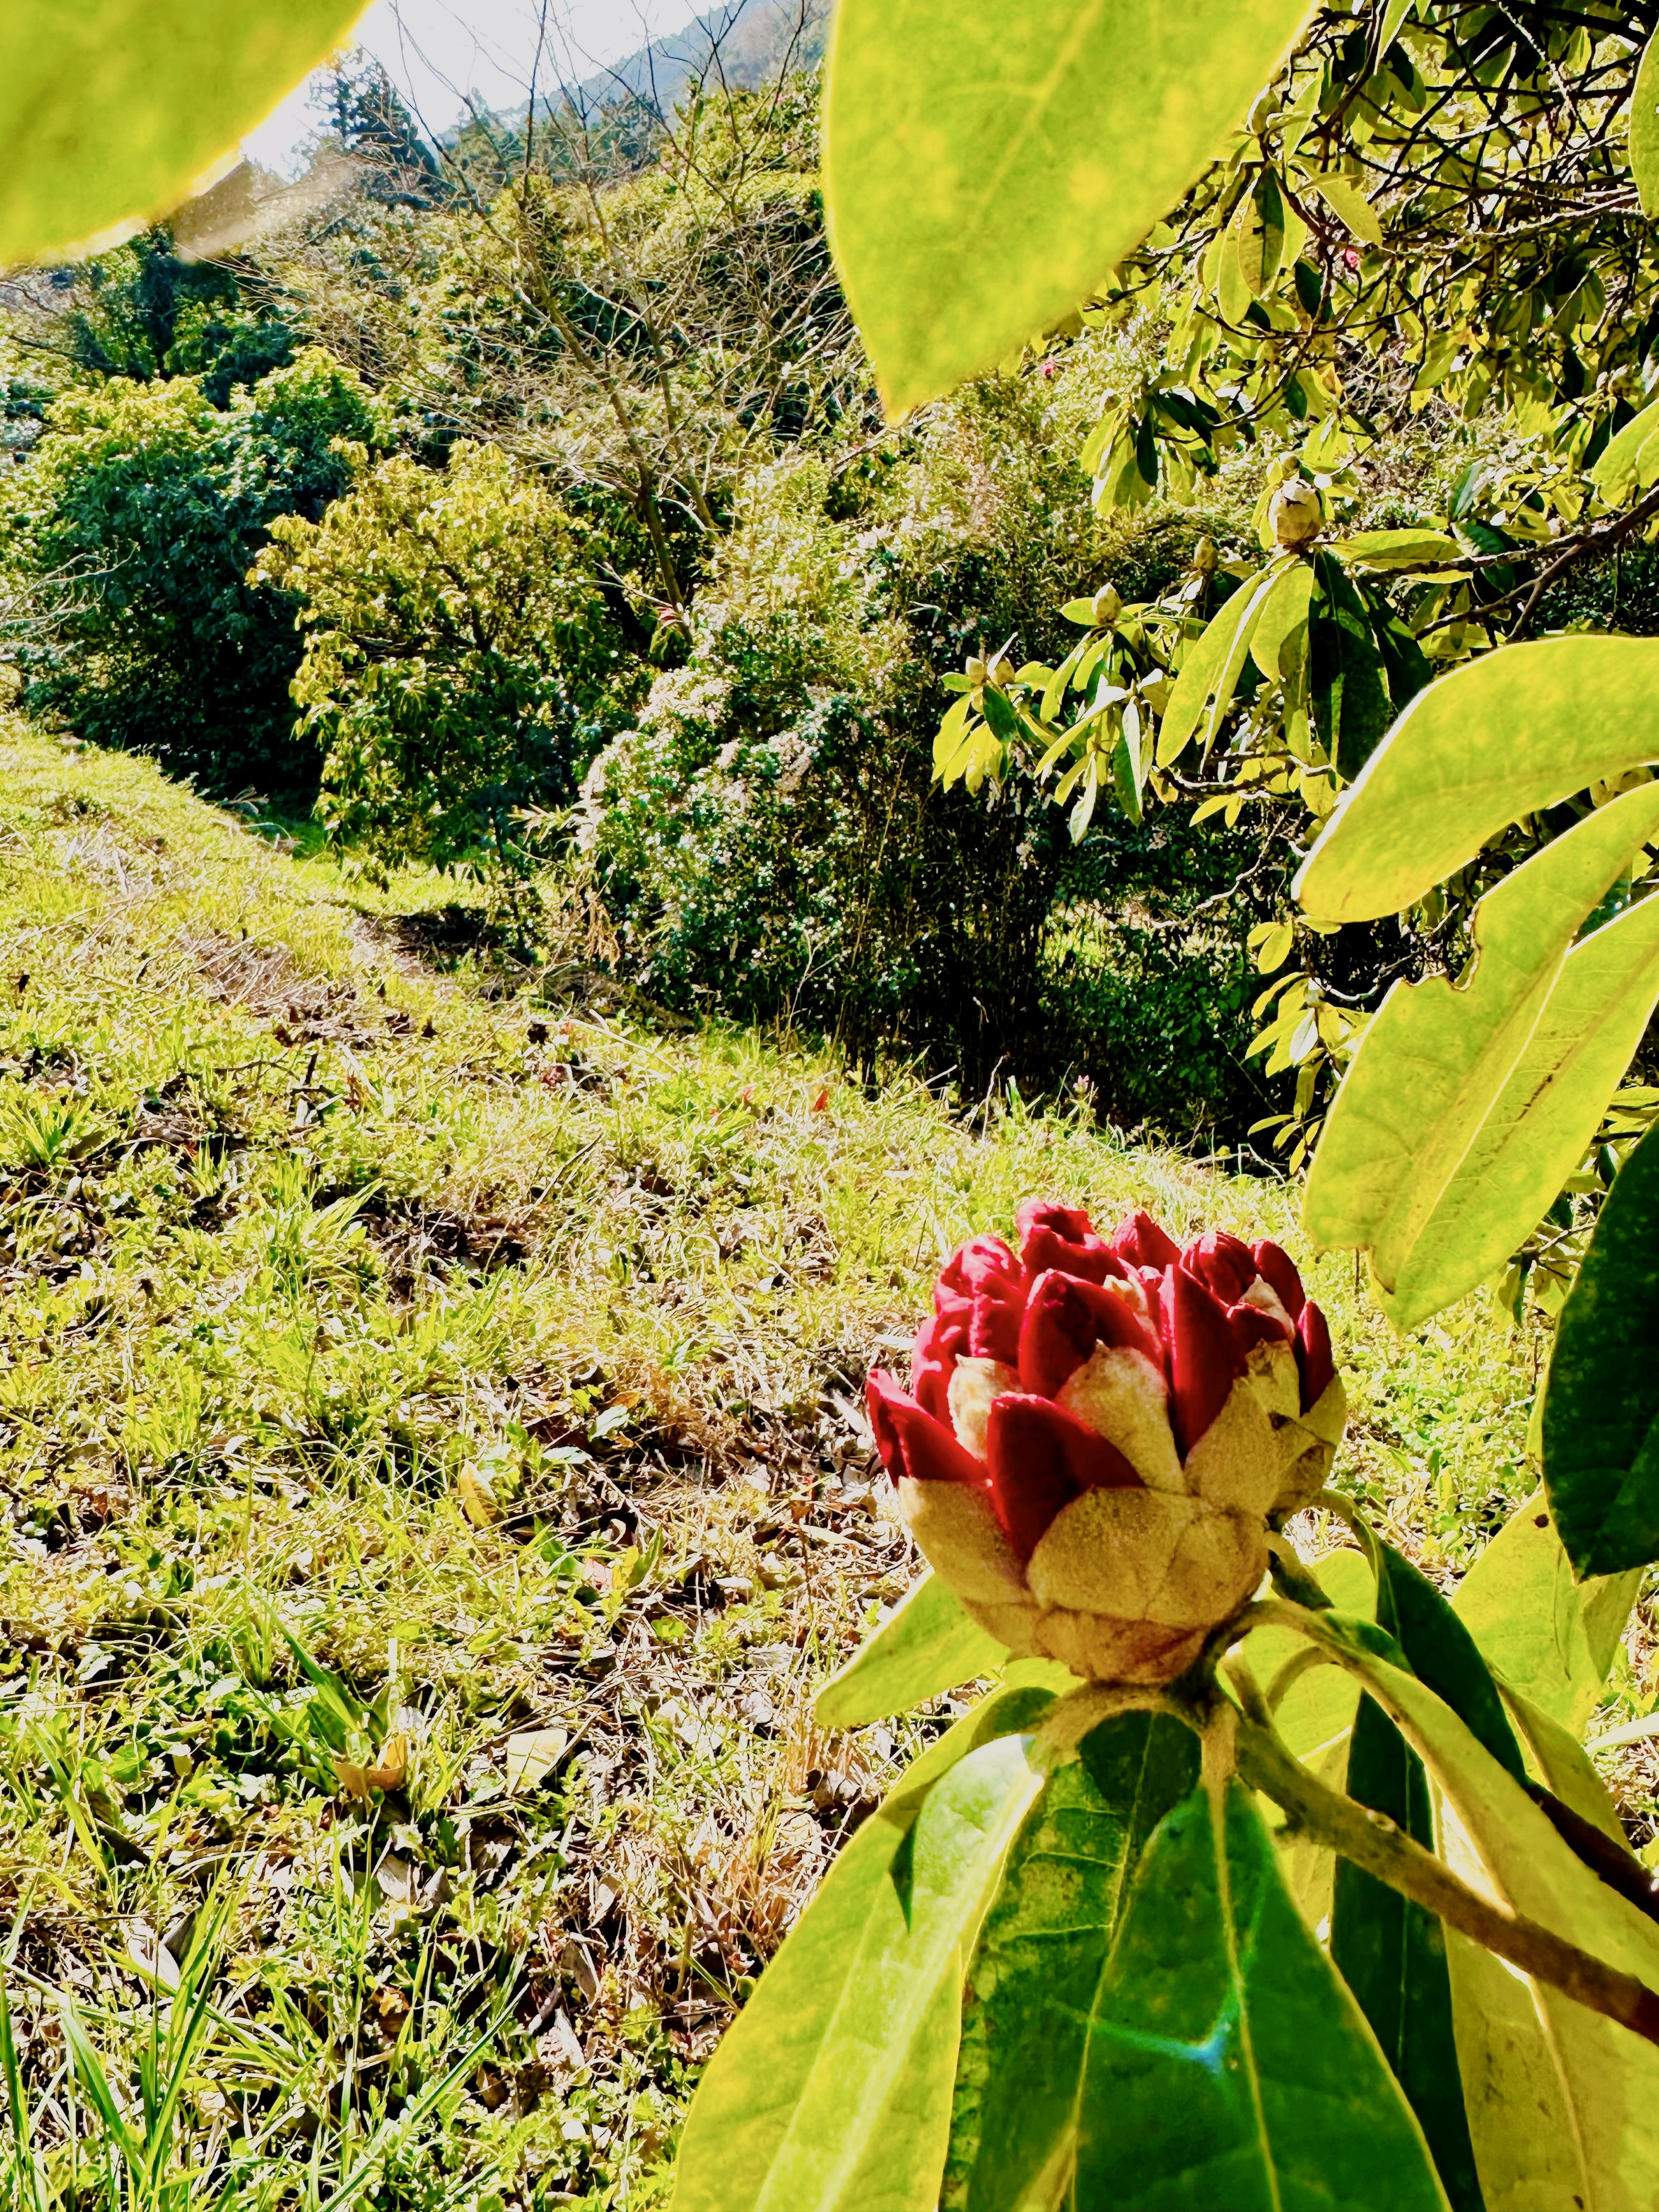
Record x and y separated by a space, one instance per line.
1601 1400
1563 2104
1278 643
1560 1762
1347 695
1547 1115
1228 2065
1645 130
832 2088
974 198
1549 1637
1209 675
1350 206
1032 1987
1512 732
1392 1953
1397 549
112 109
927 1645
1433 1064
1629 460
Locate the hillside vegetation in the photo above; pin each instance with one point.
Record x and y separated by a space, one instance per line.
435 1488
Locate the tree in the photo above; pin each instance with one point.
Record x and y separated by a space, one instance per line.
458 666
130 533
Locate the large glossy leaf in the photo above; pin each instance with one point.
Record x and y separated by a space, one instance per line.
1349 698
1560 1762
928 1645
1037 1974
1629 461
1432 1068
977 192
1550 1638
831 2091
1227 2065
1391 1952
1601 1400
1215 661
1545 1117
1645 130
111 109
1563 2104
1510 733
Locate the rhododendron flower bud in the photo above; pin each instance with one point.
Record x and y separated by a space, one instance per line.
1100 1429
1294 514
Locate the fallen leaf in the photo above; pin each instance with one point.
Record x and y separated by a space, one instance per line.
387 1774
821 1103
477 1496
532 1756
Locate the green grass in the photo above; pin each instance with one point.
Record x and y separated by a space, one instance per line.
434 1493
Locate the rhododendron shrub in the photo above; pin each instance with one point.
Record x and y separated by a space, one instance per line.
1099 1429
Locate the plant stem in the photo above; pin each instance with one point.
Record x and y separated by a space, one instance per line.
1372 1841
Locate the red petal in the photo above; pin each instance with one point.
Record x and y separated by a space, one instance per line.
1314 1355
1222 1263
1062 1237
940 1342
970 1265
1041 1459
1276 1266
911 1442
1251 1326
1065 1320
1139 1240
1202 1360
998 1310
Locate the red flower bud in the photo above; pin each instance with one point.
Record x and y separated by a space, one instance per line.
912 1442
1202 1355
1314 1357
1222 1263
970 1265
1139 1240
1279 1270
1041 1459
1060 1238
1065 1320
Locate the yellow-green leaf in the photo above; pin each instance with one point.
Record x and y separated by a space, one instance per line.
1350 206
1546 1114
977 192
1645 130
1210 673
111 110
1549 1637
928 1644
1629 461
1397 549
1434 1064
1513 732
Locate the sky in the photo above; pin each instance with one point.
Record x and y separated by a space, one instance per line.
436 51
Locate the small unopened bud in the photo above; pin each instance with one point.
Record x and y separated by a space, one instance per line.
1204 557
1107 606
1295 515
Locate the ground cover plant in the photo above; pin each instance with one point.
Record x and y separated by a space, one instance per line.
511 1372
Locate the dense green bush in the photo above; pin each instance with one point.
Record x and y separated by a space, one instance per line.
459 669
130 532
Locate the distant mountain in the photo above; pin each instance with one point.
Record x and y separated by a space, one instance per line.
753 40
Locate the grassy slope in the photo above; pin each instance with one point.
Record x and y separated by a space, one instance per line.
308 1250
